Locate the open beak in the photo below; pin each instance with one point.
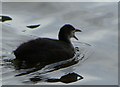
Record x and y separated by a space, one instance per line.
76 30
75 37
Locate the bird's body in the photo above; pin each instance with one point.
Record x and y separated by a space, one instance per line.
43 51
40 51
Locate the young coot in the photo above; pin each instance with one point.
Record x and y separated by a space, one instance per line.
43 51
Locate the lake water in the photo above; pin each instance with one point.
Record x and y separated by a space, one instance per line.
98 21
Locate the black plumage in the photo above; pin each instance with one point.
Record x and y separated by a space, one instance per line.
43 51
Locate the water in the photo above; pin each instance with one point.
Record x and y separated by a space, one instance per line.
98 21
83 51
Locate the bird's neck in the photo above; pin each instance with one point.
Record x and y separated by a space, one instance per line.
64 38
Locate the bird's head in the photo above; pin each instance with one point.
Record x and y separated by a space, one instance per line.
67 32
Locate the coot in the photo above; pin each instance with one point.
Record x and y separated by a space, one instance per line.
43 51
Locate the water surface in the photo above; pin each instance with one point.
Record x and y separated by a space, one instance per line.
98 21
